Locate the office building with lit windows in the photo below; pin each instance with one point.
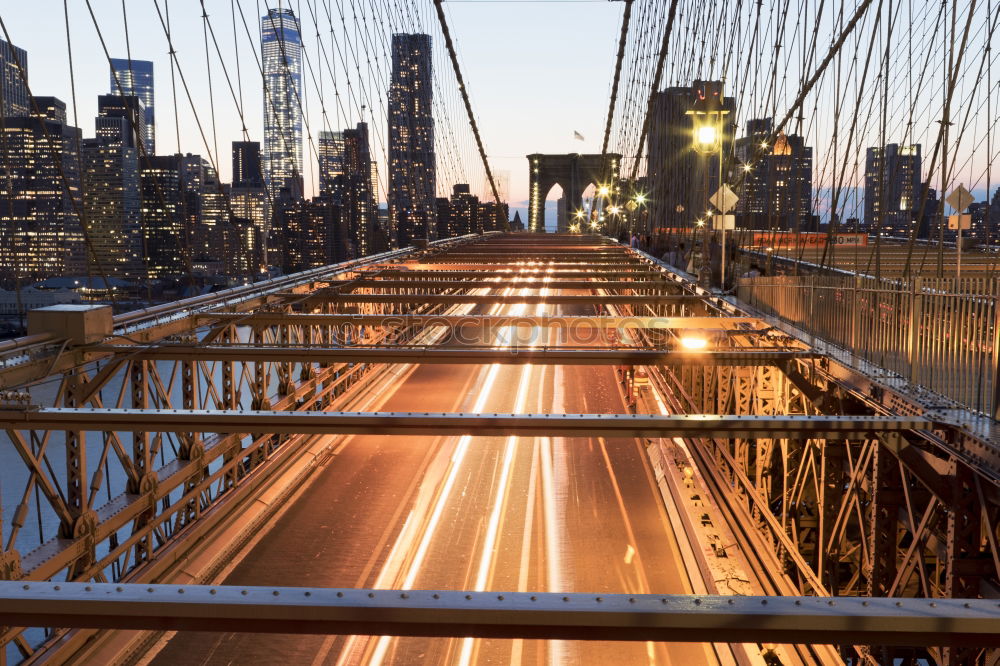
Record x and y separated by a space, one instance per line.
412 179
166 241
892 189
281 50
330 148
359 210
776 181
13 77
40 234
135 77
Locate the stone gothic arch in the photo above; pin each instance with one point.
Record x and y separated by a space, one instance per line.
573 172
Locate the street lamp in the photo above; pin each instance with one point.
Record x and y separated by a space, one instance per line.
707 113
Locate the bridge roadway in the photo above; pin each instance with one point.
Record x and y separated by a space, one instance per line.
485 513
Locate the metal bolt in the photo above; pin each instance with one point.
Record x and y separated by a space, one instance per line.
565 598
534 598
371 595
437 596
212 591
88 588
468 596
404 595
243 592
340 594
275 593
180 590
500 597
763 602
599 600
28 587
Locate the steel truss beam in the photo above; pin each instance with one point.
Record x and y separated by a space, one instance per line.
457 423
490 299
618 617
547 321
532 282
485 272
512 355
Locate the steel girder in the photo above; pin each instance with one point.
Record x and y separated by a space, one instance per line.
491 299
569 322
533 282
486 272
509 355
619 617
456 423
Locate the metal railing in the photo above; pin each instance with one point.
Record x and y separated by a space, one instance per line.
939 333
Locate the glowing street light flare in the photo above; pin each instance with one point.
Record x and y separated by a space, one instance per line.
603 191
692 343
706 135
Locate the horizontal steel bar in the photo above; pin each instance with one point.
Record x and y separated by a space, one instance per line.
538 615
456 423
485 271
513 355
529 282
547 321
534 299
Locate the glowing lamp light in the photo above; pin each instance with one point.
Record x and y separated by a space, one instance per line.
604 191
692 343
640 199
706 135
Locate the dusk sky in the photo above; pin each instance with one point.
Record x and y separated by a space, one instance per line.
536 71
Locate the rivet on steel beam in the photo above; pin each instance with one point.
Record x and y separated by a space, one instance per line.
832 602
180 590
763 602
149 589
243 592
28 587
436 595
599 600
697 601
117 589
58 587
864 603
88 588
340 594
534 598
404 595
276 593
500 597
212 591
468 596
565 598
371 595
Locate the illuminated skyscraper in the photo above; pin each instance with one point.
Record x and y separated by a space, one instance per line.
40 232
135 77
281 48
360 213
776 191
892 189
166 241
412 181
331 164
16 101
111 110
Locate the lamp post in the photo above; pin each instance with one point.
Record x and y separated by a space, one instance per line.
707 113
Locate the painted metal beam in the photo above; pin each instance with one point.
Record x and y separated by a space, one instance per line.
484 271
511 355
572 323
532 282
490 299
456 423
506 615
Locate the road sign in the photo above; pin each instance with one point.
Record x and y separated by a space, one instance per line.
960 198
724 199
962 221
724 222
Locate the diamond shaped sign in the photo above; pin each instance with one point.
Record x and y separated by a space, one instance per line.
724 199
960 198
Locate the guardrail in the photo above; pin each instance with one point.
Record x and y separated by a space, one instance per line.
939 333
